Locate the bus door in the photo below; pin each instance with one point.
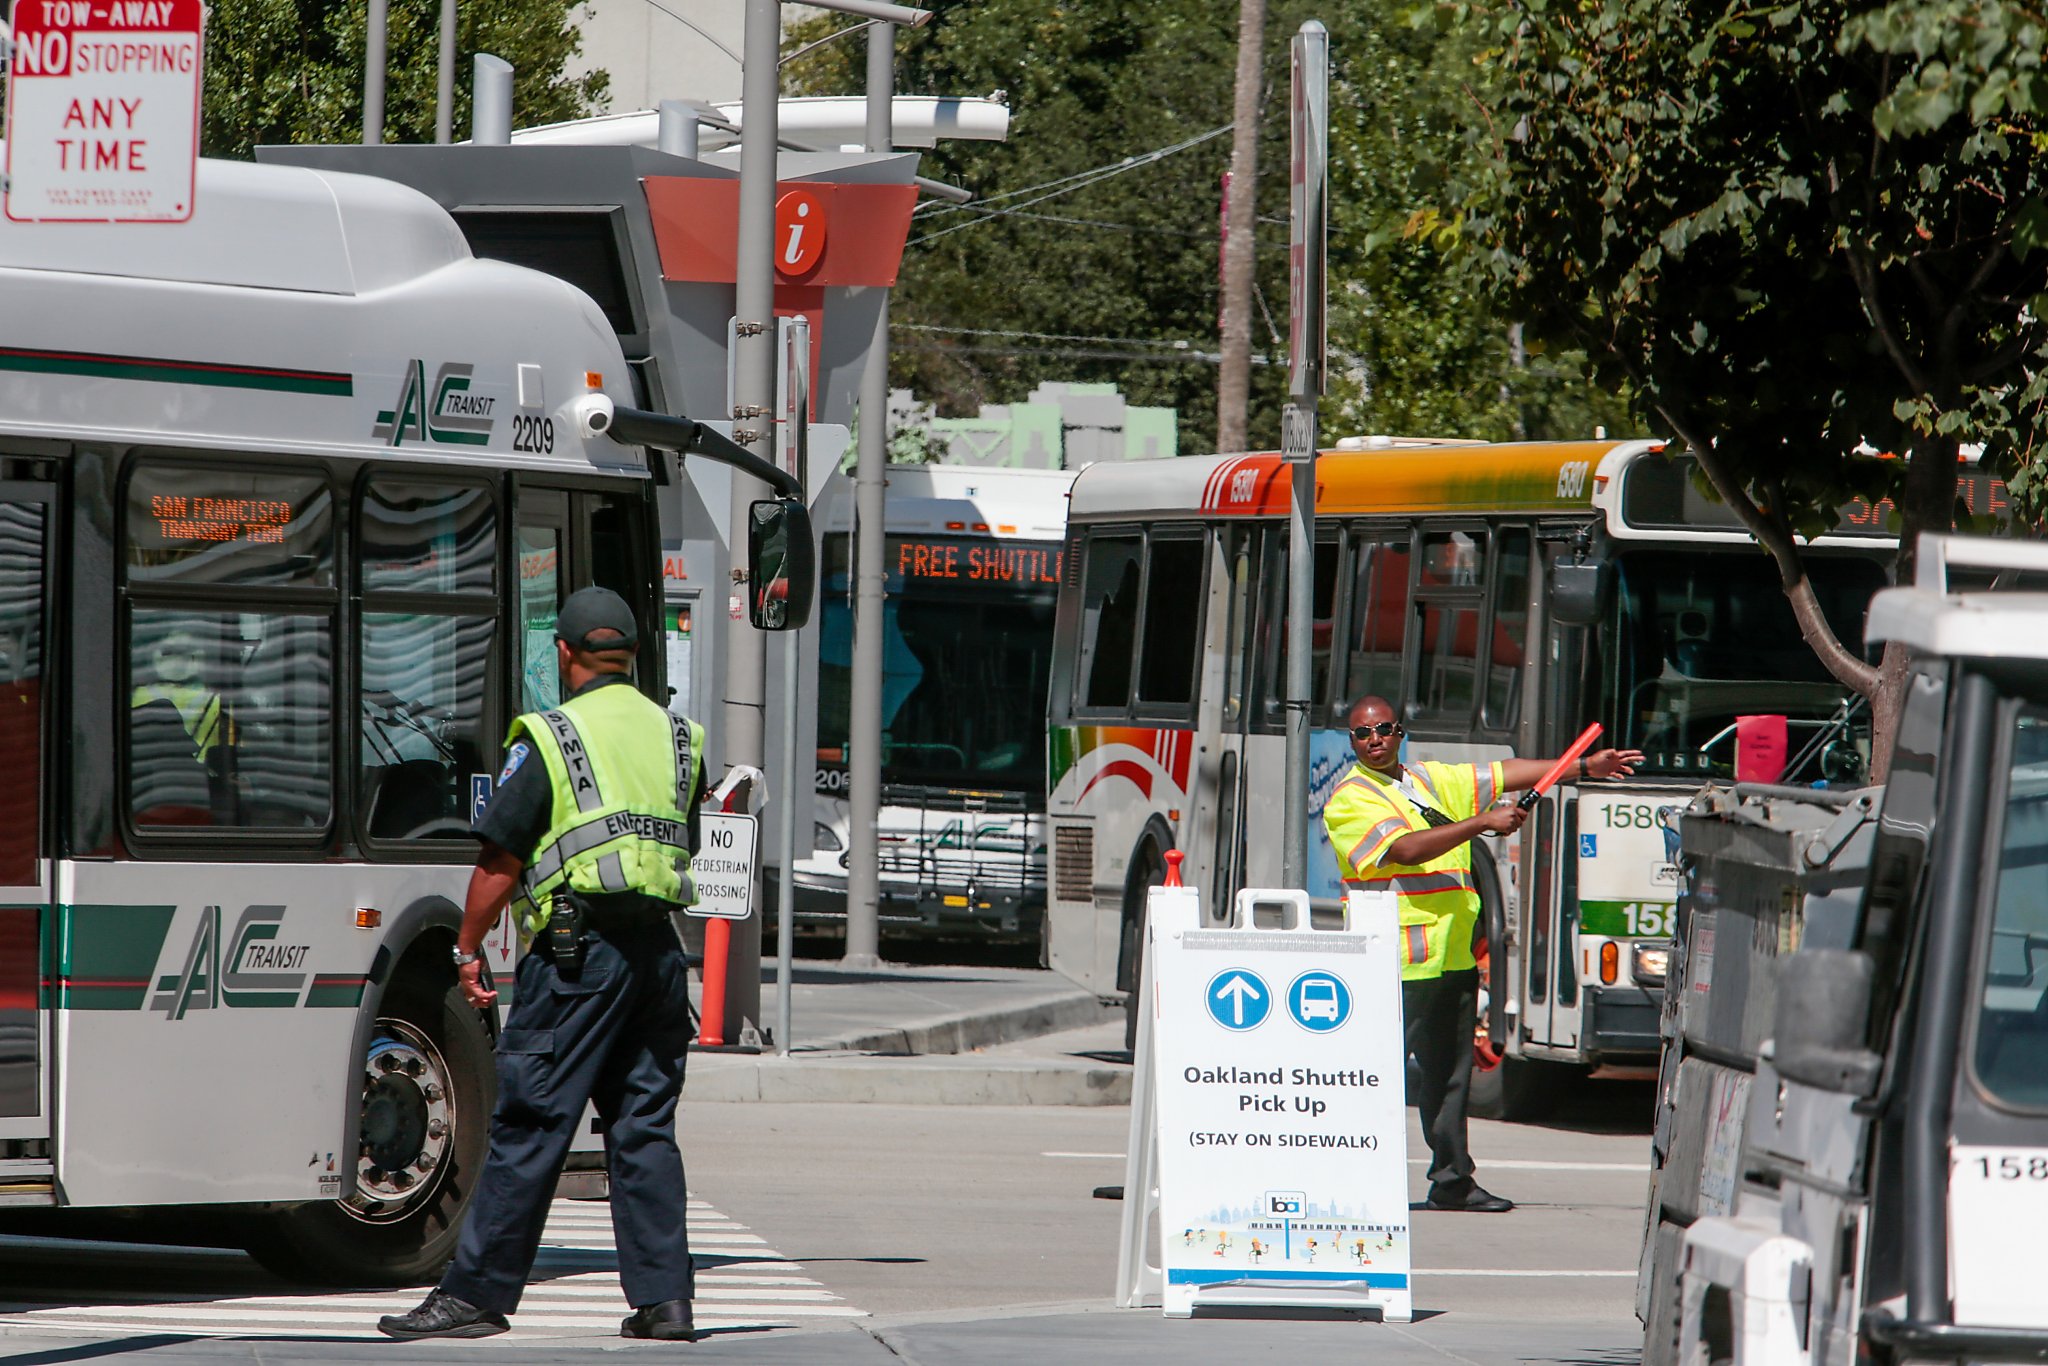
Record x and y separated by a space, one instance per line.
25 693
1551 1006
1239 550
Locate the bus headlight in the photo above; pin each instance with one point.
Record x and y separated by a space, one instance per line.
1652 961
825 840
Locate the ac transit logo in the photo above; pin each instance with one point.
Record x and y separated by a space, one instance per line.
447 412
202 984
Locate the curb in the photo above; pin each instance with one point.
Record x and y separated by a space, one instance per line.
937 1080
953 1034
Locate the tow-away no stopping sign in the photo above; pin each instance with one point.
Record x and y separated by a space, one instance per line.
103 111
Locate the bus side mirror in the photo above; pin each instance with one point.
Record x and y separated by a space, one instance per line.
1578 592
1823 1008
782 564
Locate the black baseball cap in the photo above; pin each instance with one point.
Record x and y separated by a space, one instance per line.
589 610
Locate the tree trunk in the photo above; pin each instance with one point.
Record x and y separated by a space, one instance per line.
1927 504
1240 222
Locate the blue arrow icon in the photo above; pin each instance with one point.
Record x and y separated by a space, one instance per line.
1238 999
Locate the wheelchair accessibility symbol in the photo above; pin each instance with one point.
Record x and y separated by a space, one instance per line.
1238 999
1319 1002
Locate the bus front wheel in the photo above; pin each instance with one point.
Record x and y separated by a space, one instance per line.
428 1082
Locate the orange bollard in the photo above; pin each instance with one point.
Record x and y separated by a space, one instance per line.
1173 859
711 1019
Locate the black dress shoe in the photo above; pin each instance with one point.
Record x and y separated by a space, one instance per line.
1466 1197
668 1321
441 1315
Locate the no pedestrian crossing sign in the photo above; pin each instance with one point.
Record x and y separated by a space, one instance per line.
103 111
1277 1104
724 867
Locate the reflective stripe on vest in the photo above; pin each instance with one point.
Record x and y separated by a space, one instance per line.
633 838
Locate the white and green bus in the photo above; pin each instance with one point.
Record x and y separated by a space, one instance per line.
1445 580
289 495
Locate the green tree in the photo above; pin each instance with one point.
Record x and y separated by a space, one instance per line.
1792 232
281 71
1117 280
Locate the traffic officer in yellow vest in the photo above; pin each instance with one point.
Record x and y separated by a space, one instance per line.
591 830
1409 829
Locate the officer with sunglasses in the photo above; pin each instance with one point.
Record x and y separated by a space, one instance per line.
1408 829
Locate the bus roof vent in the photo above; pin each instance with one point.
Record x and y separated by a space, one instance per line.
1381 442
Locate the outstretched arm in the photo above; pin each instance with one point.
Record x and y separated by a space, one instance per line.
1518 775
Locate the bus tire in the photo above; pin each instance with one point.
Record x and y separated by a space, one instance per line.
1146 870
429 1066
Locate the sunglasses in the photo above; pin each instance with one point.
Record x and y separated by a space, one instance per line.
1383 730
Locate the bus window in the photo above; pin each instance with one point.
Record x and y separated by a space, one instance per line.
615 559
1379 614
1448 612
1176 579
2012 1025
229 696
1510 639
1322 622
22 595
1237 662
540 597
428 627
1698 638
1109 621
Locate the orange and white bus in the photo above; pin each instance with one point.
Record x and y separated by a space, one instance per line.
1437 585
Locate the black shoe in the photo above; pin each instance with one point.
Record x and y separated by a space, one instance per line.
668 1321
1466 1197
441 1315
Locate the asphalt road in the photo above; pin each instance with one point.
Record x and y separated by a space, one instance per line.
929 1234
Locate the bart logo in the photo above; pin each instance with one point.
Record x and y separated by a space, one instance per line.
447 412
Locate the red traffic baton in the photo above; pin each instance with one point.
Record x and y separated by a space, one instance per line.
1561 767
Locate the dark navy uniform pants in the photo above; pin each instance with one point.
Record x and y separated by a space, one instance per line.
1441 1014
615 1033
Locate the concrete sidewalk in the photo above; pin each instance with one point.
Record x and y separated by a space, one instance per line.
929 1035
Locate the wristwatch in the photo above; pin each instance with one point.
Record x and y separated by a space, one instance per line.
1585 769
463 960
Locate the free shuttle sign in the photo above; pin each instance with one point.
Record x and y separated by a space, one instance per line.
103 111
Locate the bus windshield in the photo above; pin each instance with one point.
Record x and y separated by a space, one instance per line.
966 659
1702 638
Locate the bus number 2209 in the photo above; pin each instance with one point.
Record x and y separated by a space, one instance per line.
533 435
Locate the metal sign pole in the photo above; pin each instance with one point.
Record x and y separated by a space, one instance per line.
870 481
796 419
753 416
1307 233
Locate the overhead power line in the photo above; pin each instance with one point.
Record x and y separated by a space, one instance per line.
1053 189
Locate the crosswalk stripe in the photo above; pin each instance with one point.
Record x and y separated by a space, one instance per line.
741 1283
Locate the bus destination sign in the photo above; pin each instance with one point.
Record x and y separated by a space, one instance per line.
976 561
182 517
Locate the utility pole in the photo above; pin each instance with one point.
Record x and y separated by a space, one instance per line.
753 428
1234 376
870 484
1308 135
444 82
374 62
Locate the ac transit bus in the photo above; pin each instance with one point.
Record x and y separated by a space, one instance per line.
973 559
1444 580
289 495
